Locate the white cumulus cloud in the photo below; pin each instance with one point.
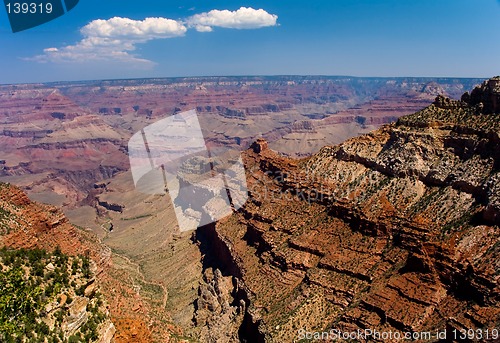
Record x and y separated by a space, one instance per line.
146 29
243 18
116 39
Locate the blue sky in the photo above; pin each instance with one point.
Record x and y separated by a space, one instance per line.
459 38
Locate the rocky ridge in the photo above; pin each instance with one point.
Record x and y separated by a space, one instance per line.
44 234
396 230
28 225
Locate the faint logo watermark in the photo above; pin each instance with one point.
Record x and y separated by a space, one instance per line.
205 182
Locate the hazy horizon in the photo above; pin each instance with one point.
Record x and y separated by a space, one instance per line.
246 76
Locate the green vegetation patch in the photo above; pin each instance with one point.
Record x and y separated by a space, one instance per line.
37 289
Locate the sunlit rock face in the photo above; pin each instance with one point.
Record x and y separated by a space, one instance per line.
396 230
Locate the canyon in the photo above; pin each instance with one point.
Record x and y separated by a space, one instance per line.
58 139
373 203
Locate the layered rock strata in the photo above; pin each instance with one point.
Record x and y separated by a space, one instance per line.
395 231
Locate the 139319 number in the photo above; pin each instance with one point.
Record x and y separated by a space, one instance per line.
476 334
31 8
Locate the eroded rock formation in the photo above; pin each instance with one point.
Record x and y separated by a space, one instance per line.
29 225
396 230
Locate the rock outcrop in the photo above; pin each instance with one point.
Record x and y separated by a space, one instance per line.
28 225
217 314
486 96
